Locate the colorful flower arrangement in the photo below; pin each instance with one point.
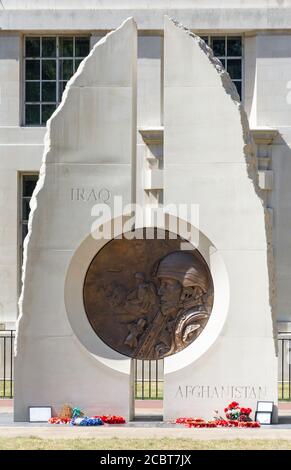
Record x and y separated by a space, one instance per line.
236 417
86 421
75 417
196 423
59 420
112 419
234 412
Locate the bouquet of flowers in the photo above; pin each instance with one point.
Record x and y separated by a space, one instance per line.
112 419
76 417
86 421
234 412
58 420
236 417
196 423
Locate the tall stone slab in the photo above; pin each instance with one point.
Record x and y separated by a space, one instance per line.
209 161
89 154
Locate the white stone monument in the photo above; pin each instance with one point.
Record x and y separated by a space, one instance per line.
209 160
90 157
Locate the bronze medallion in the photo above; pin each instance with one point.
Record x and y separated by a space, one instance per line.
147 299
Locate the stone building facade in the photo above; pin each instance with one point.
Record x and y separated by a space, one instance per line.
42 44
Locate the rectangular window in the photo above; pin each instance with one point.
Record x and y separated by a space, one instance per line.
229 50
49 62
27 185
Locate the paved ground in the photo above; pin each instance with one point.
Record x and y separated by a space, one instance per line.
140 429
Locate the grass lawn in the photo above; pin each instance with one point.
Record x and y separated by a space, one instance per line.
35 443
156 392
8 384
284 393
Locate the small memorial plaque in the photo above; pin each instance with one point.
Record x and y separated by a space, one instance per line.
264 412
39 414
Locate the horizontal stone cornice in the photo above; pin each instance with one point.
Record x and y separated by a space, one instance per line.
151 19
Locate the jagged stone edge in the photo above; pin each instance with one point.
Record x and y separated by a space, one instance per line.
42 173
251 161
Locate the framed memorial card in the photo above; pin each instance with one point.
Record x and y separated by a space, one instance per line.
39 414
264 412
264 417
265 406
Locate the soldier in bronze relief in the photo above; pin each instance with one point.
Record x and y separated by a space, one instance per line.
181 315
153 313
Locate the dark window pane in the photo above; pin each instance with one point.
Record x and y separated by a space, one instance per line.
48 47
28 184
32 114
234 47
205 38
223 62
238 87
48 70
218 46
25 209
66 47
82 47
32 91
32 69
234 68
48 91
62 86
77 63
32 47
46 112
66 69
24 231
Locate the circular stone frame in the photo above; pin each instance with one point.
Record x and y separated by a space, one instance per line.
111 278
82 329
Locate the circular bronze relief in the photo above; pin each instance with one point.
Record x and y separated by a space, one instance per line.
147 299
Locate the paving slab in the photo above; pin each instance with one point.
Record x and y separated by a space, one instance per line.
136 430
146 432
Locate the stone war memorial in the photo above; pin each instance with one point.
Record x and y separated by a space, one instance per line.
102 290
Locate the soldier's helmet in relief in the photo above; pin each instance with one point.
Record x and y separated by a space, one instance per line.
185 268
